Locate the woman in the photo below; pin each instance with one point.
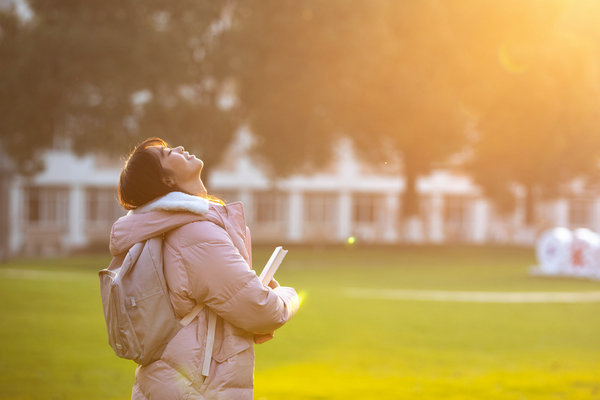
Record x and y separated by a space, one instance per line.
207 261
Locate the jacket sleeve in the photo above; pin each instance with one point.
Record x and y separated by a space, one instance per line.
219 277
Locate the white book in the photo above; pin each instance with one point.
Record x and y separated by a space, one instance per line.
271 267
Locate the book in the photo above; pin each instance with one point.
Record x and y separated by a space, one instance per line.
271 267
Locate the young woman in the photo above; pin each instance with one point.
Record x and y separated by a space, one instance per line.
207 261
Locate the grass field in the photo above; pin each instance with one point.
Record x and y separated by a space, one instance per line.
53 340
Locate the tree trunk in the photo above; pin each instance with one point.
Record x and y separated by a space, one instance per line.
410 197
412 225
529 205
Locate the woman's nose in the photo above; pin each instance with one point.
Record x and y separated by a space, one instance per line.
179 149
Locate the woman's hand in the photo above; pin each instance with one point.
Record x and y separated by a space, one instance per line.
265 337
262 338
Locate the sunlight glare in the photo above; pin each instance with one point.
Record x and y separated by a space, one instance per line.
508 60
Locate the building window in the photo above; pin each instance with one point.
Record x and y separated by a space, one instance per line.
269 207
456 209
48 206
101 205
32 210
580 213
320 207
366 207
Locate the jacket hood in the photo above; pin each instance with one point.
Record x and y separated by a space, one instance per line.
157 217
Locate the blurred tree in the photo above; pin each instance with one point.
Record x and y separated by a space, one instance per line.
402 79
100 76
381 72
405 99
284 56
405 79
536 98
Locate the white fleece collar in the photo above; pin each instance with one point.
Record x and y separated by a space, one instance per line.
176 201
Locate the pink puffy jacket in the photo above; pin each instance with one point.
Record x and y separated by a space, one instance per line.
207 260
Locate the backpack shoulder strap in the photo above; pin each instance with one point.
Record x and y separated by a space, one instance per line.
210 336
189 317
210 340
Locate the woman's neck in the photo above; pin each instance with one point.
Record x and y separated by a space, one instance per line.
194 187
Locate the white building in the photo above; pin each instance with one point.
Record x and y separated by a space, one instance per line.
72 205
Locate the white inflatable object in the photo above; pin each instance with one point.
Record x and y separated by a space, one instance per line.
553 251
585 249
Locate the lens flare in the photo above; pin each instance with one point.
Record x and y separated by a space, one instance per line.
509 61
301 297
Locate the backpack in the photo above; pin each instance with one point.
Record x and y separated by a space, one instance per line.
139 316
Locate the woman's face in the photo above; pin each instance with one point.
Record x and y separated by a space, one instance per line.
183 168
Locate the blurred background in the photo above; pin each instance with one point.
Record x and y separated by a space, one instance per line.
380 121
342 125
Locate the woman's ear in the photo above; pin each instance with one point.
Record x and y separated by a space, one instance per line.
169 181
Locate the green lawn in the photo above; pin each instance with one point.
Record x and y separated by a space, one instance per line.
53 340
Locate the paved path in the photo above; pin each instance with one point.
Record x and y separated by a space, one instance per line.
369 293
474 297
